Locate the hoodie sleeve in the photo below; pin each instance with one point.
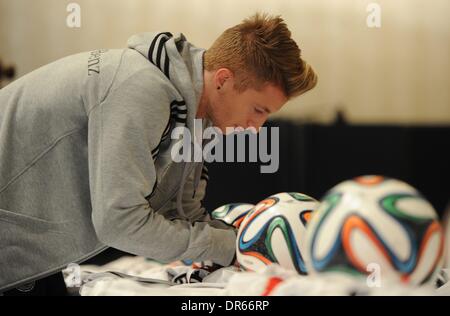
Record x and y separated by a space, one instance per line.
123 130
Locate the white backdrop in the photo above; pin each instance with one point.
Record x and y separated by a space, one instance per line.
398 73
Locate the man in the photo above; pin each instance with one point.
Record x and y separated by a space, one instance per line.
85 146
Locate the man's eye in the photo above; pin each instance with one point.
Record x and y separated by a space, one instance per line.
258 111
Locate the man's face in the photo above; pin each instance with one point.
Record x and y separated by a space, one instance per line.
229 108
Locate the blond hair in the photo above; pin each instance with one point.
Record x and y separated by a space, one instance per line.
260 50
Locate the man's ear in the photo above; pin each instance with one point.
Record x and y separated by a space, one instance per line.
222 76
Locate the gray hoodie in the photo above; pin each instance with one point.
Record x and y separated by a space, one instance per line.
85 161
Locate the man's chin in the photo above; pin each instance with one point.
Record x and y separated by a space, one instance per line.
227 129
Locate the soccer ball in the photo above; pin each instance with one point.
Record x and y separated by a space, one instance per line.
377 226
274 232
232 213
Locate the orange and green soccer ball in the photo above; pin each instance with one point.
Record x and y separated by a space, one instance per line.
373 221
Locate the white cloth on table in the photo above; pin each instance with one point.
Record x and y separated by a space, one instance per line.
229 281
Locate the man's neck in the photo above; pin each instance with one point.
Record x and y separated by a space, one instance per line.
202 105
201 109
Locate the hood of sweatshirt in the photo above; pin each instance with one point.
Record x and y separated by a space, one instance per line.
182 63
178 60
